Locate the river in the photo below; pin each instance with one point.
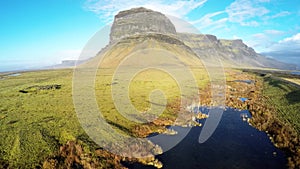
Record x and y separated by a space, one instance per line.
234 144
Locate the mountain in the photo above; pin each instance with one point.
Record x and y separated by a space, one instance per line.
145 28
232 53
148 36
140 21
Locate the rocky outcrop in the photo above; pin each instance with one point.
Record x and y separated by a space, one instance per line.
36 88
140 21
231 52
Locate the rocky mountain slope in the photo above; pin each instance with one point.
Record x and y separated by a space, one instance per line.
140 21
142 37
138 25
231 52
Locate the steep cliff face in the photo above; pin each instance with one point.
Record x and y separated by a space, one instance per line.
140 21
231 52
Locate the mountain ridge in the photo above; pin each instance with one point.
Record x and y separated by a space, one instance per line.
137 23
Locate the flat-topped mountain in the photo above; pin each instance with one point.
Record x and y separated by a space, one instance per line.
140 21
139 25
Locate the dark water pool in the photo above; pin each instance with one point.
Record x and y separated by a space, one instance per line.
243 99
245 81
14 74
295 73
235 145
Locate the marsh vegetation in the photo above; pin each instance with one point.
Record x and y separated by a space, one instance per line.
39 127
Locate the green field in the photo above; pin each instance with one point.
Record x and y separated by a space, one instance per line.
285 98
35 123
37 114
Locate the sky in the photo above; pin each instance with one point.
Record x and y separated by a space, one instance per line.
37 33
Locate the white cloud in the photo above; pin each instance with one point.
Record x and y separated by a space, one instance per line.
259 36
264 0
244 11
273 32
207 22
265 40
262 41
250 23
252 13
287 49
182 25
216 25
106 9
292 39
206 19
67 54
280 14
258 41
236 37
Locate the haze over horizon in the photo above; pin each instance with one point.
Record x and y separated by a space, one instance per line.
42 33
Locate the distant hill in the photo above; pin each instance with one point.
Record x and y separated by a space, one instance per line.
65 64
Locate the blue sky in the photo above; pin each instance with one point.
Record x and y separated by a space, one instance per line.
37 33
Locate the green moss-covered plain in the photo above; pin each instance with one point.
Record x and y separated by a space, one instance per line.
285 98
35 123
37 115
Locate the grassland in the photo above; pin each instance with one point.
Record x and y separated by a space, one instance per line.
285 97
139 91
281 92
40 123
34 125
293 80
